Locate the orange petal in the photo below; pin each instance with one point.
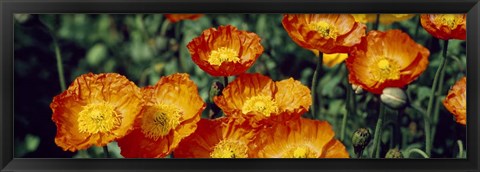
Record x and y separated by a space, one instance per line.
110 88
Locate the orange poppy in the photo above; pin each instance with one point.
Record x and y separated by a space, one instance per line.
257 98
225 51
178 17
386 59
171 112
301 138
445 26
218 138
95 110
327 33
456 101
384 18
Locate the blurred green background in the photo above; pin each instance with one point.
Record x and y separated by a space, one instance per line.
144 47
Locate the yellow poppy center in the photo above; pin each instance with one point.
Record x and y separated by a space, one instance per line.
325 29
223 54
229 149
450 20
261 104
300 152
159 120
98 118
385 69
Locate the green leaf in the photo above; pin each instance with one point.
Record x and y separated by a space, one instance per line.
32 142
96 54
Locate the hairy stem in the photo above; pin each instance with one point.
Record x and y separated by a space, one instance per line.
428 115
314 86
378 132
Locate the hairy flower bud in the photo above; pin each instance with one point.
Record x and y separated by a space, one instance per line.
361 138
215 90
394 98
394 153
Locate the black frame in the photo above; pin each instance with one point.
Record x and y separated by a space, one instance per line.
9 7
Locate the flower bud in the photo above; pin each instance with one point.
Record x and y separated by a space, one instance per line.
215 90
394 153
361 138
394 97
357 89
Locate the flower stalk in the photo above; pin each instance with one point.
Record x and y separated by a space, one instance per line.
435 86
106 152
316 100
378 132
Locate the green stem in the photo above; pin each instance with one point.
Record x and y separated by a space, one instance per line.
359 154
460 148
58 55
416 150
164 27
106 152
377 22
436 111
378 132
417 27
398 132
314 85
347 107
225 81
428 137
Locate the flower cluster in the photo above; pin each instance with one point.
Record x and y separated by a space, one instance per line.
262 118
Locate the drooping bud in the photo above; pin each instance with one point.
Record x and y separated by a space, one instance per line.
215 90
357 89
394 153
360 139
394 97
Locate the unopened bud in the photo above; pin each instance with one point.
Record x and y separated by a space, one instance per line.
361 138
357 89
215 90
394 97
394 153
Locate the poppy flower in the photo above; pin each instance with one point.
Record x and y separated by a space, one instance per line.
218 138
456 101
225 51
95 110
301 138
171 112
178 17
259 99
327 33
445 26
386 59
384 18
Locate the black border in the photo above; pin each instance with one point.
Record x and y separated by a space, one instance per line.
9 7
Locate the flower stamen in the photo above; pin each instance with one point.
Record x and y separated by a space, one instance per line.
300 152
385 69
223 54
159 120
261 104
325 29
450 20
229 149
98 118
